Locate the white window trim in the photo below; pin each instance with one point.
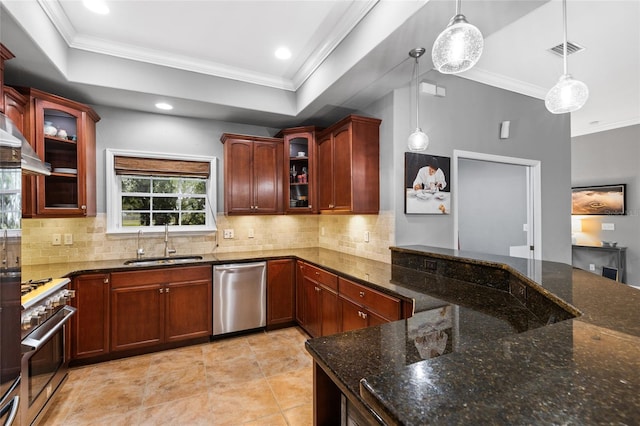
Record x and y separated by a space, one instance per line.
114 216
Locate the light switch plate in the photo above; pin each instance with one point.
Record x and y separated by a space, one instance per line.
68 239
608 227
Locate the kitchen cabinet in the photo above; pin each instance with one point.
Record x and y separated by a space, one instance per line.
300 170
280 292
152 307
253 168
299 292
320 301
348 166
361 306
90 324
5 55
68 144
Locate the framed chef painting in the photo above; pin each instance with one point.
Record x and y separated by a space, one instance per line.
426 183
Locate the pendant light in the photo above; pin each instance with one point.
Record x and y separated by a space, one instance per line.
568 94
418 140
458 47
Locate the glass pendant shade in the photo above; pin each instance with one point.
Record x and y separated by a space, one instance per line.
567 95
418 141
458 47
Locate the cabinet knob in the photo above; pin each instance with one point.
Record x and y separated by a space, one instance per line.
83 207
317 273
317 288
362 294
362 315
106 280
331 206
160 290
166 290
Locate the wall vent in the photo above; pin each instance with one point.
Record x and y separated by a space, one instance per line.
571 49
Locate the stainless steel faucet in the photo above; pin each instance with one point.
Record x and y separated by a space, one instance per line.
167 251
140 250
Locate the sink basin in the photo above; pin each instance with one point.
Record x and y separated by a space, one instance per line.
162 260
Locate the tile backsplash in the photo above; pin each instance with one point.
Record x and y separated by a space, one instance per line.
344 233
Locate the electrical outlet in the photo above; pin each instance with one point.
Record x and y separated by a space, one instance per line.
228 233
68 239
592 267
322 231
366 236
56 239
608 227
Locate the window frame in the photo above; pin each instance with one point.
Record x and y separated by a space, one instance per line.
114 193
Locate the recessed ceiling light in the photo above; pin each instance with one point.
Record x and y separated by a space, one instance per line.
165 106
283 53
96 6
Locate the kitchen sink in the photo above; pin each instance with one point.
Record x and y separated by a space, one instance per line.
162 260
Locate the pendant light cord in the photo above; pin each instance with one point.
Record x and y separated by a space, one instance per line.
416 69
564 48
458 7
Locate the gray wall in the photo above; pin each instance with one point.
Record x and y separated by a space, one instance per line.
134 130
493 206
468 119
612 157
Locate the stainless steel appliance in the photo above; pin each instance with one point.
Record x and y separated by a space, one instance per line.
239 297
44 359
16 157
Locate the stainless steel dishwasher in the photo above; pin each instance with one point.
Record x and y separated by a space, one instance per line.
239 297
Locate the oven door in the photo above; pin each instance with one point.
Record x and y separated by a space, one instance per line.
44 364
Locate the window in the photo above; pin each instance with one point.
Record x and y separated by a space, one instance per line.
145 191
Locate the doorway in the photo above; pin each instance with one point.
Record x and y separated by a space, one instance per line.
497 204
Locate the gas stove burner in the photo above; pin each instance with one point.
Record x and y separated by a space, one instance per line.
28 286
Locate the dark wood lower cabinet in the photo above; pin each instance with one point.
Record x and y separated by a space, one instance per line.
320 309
152 307
280 292
90 324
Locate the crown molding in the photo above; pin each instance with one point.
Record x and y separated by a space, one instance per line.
589 129
349 20
504 82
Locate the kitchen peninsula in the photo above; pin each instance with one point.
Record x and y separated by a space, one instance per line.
584 370
570 352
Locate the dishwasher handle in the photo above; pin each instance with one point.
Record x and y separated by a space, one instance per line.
238 266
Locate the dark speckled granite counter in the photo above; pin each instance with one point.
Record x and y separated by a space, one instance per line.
502 365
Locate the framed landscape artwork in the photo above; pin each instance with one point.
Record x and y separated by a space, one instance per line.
426 184
598 200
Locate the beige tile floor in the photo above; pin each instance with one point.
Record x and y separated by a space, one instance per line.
257 379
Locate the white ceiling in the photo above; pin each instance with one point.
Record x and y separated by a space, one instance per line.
215 59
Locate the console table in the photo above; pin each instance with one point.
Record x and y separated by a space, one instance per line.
614 257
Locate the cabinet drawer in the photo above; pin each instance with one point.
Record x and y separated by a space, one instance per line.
321 276
160 276
387 306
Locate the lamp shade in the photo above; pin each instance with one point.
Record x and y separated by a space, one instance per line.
567 95
458 47
418 140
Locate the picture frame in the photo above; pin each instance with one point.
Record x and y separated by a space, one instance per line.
427 184
602 200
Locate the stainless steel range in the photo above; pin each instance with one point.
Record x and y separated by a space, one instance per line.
44 345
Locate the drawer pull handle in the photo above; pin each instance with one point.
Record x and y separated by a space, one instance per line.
362 294
362 315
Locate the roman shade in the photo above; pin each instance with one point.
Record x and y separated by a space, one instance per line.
160 167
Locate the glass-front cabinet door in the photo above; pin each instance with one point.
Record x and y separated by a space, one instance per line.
64 190
299 148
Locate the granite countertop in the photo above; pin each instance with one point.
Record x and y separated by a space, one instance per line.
480 360
375 274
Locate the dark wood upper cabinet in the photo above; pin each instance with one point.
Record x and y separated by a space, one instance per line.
300 169
70 191
5 55
348 159
253 169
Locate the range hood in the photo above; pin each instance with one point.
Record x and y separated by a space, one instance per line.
11 137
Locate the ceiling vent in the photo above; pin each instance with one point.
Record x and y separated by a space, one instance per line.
571 49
